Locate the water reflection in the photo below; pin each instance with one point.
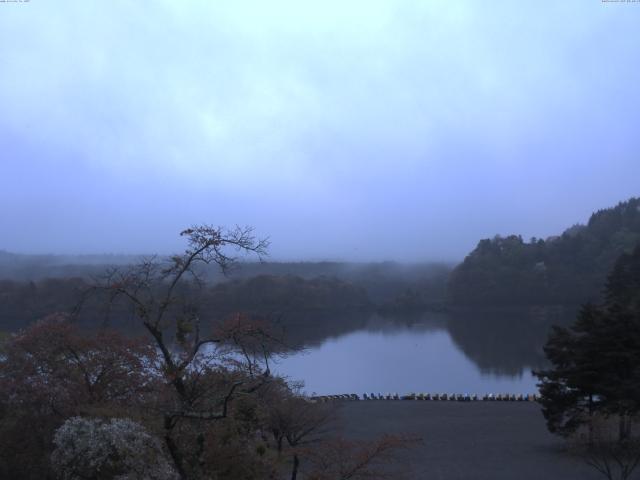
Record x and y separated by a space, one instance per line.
506 341
461 352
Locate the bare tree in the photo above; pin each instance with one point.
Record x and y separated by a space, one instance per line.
614 460
342 459
602 449
298 424
205 372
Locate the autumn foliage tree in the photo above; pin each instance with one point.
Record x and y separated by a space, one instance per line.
52 371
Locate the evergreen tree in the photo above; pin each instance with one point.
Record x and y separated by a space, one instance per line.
596 362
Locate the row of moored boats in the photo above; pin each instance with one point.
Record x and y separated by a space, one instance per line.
455 397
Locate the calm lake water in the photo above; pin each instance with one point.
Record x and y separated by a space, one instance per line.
471 352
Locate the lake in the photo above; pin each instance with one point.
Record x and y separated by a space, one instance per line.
463 352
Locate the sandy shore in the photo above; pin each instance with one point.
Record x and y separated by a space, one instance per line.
477 440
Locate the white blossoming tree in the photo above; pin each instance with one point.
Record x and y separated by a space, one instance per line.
118 449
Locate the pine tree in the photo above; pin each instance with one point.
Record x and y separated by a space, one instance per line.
596 362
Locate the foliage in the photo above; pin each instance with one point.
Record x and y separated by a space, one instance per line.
119 449
569 269
53 363
596 362
52 371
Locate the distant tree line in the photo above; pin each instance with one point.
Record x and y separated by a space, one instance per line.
384 282
569 269
21 303
266 293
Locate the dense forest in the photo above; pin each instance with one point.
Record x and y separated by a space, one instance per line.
567 269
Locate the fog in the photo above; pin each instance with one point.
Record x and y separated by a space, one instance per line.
362 130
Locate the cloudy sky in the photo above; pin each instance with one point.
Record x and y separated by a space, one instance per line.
361 129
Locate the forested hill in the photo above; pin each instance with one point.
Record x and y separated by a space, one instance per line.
568 269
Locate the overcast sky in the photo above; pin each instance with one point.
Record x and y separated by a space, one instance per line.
366 130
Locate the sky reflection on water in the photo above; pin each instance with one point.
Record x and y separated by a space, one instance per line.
402 359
